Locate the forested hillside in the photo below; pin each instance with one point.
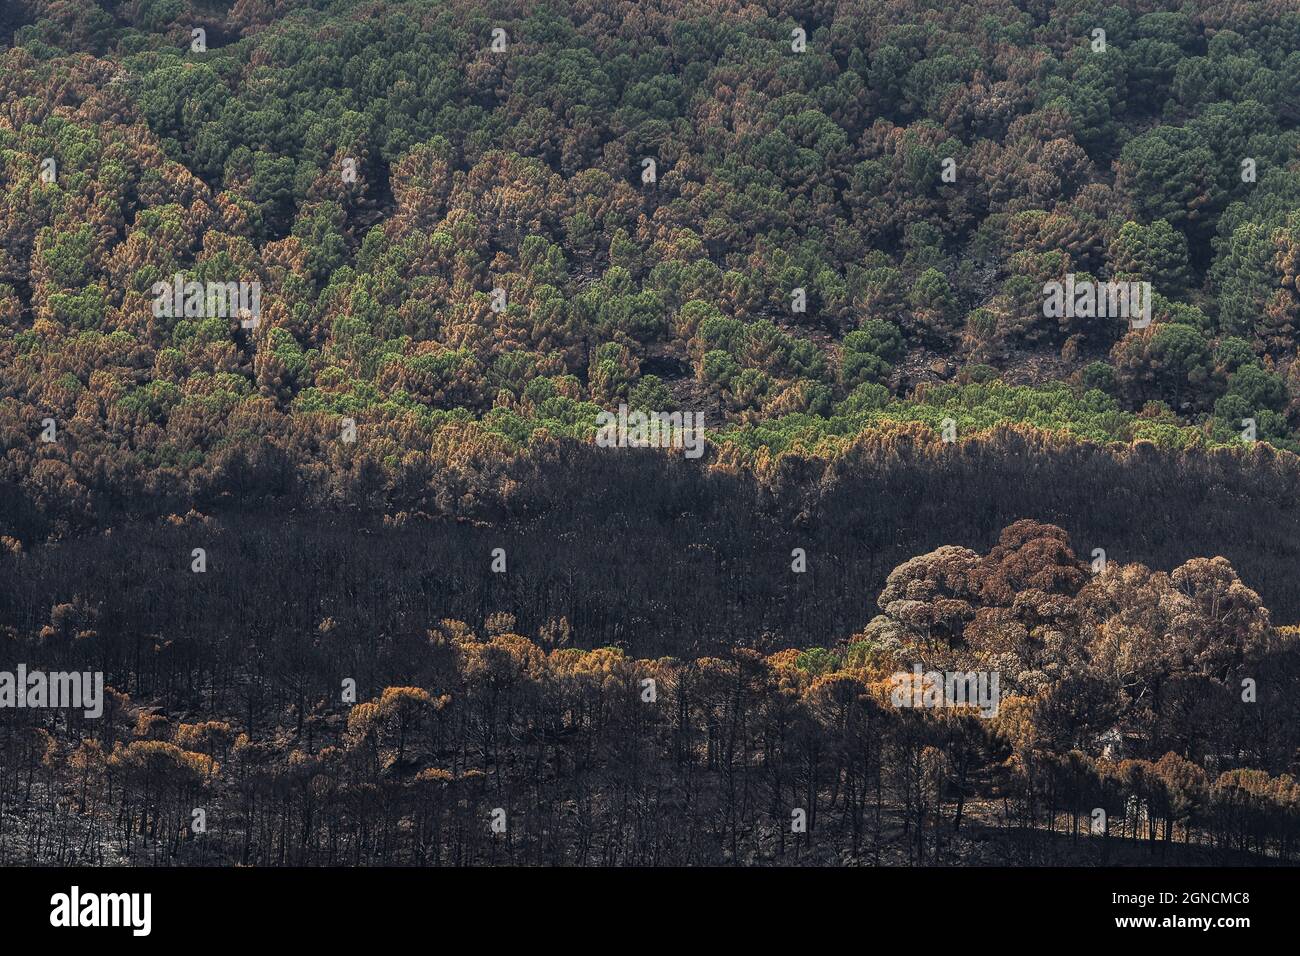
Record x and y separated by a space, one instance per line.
380 169
475 231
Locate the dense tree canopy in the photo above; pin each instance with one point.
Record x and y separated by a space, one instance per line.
914 176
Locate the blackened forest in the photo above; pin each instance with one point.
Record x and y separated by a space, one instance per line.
837 253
